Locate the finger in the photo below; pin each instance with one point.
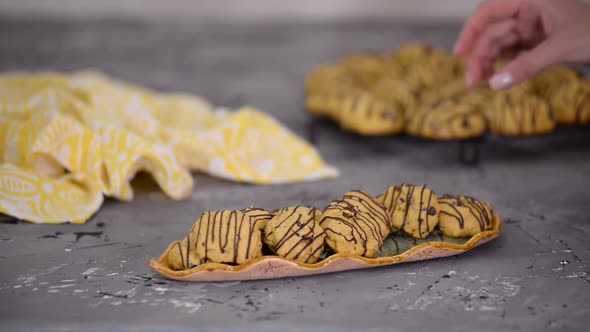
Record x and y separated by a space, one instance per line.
497 37
528 65
486 14
529 26
504 56
475 71
508 54
488 70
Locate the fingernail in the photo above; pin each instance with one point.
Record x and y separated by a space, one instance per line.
500 81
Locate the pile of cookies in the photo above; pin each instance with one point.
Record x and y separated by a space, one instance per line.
420 90
356 223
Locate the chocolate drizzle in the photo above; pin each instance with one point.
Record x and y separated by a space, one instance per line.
294 233
518 112
223 236
362 201
412 208
448 207
470 215
188 251
369 108
454 116
181 255
357 223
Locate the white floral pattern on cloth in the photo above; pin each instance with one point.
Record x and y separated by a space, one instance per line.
38 198
68 139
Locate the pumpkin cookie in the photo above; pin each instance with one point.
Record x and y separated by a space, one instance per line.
325 76
552 78
413 54
457 90
364 69
295 233
433 73
366 114
462 216
221 236
328 101
393 90
447 119
355 224
570 103
517 112
413 209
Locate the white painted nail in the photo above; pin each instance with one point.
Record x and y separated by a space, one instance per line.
500 81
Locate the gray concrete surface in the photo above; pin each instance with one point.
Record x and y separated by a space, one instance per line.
422 10
95 276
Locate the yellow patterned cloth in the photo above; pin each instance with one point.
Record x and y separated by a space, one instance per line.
67 140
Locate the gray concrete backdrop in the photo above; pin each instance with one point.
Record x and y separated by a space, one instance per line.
95 276
420 10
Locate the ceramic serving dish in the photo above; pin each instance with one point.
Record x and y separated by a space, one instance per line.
397 249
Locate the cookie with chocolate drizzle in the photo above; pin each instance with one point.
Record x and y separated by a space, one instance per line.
325 75
366 114
449 118
552 78
518 112
413 54
392 89
462 216
295 233
364 68
413 209
570 102
327 101
355 224
221 236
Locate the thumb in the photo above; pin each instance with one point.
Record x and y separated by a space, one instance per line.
527 65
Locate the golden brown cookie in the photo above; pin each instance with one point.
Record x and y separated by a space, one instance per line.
372 94
394 90
433 73
457 90
517 112
451 89
368 115
459 116
416 80
180 256
355 224
570 103
413 209
328 101
364 68
221 236
364 62
325 88
365 202
462 216
295 233
426 66
325 76
414 53
547 81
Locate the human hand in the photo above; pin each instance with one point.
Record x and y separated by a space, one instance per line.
553 31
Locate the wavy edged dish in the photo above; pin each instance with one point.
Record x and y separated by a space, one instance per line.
271 267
